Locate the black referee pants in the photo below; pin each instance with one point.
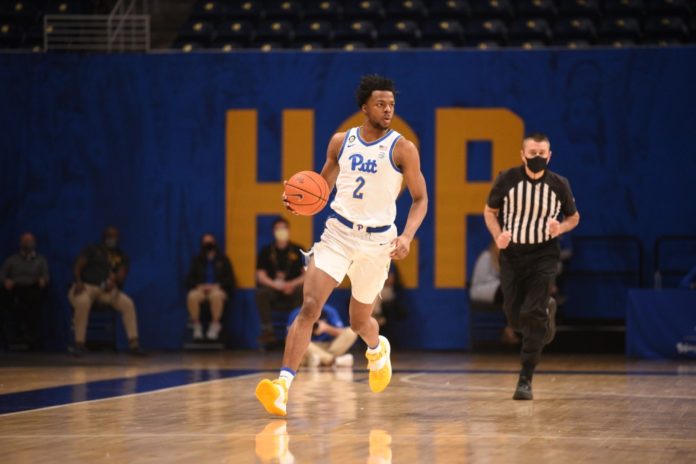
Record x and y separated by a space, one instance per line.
526 279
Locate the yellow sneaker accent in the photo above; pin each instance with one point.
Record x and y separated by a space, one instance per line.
380 378
273 396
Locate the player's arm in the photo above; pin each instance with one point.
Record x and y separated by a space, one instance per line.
407 158
330 170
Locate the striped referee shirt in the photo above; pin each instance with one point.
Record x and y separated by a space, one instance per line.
525 206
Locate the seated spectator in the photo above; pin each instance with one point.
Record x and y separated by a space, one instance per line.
210 279
485 285
24 276
100 273
279 278
389 305
331 340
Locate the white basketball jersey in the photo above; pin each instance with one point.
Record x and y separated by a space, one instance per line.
369 181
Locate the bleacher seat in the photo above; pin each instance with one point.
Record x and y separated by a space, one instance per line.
309 46
414 9
355 31
439 44
61 7
237 32
248 9
574 43
225 45
524 30
485 44
449 9
188 46
491 9
527 44
617 29
24 12
478 31
274 32
405 31
268 46
587 8
200 32
624 7
618 43
574 29
393 45
363 9
11 35
208 10
313 31
670 7
666 27
351 45
283 9
443 30
322 9
536 9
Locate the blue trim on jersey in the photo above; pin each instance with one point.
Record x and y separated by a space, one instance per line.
357 132
345 140
391 155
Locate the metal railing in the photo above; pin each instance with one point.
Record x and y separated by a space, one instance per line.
122 30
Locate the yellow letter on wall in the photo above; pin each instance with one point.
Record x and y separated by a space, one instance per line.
246 198
455 198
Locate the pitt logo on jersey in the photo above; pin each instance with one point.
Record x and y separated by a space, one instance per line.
358 163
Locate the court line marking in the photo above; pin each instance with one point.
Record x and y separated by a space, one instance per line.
203 382
409 379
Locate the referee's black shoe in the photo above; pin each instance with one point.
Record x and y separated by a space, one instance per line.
524 389
551 323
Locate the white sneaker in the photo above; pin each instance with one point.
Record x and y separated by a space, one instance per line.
345 360
197 331
313 360
213 331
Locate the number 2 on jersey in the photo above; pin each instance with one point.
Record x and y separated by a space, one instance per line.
357 193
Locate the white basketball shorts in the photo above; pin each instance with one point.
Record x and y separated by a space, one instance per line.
363 256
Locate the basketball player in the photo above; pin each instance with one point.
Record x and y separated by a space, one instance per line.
367 165
522 214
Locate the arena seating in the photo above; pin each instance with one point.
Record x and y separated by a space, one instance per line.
226 25
440 25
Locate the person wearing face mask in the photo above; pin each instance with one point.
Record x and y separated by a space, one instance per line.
100 273
24 278
527 209
211 279
279 277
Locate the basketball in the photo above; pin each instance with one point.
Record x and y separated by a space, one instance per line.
307 193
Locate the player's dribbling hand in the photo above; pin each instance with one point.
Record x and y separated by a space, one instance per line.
402 245
285 202
554 228
503 240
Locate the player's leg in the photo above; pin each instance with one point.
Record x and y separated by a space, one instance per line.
367 276
318 285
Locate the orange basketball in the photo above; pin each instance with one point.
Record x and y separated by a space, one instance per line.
307 193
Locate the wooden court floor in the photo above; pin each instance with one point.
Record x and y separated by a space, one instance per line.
440 408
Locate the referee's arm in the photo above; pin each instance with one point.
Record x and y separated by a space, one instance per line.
569 223
490 216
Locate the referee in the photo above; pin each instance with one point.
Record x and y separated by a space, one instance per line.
522 215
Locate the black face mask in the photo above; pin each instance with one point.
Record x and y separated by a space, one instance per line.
208 247
536 164
26 249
